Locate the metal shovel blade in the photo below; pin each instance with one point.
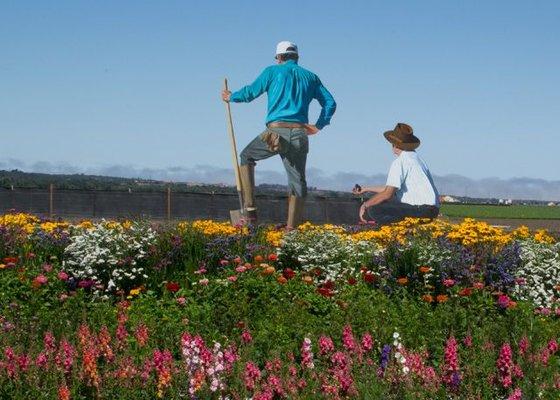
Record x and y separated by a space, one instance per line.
236 217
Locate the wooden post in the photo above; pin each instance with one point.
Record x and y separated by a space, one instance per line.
169 203
51 208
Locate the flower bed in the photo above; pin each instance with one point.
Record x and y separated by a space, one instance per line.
206 310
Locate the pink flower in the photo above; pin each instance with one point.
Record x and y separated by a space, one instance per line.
467 341
241 269
516 395
367 342
348 338
307 354
451 375
448 282
203 282
224 263
181 301
478 285
47 268
505 365
552 346
523 345
246 336
520 281
232 278
503 301
326 345
63 276
40 280
252 375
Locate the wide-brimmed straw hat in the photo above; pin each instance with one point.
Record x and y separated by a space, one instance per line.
403 137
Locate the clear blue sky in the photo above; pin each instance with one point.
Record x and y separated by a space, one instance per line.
137 82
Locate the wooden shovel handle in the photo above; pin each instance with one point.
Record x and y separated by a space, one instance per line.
232 141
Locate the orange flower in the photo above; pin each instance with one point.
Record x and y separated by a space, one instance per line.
258 258
269 270
425 269
428 298
281 280
307 279
442 298
402 281
465 292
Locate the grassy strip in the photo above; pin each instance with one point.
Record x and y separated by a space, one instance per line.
489 211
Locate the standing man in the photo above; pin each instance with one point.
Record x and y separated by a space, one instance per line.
290 88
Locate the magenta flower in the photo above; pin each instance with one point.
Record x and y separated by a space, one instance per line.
448 282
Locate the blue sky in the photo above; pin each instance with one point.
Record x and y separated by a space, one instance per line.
137 82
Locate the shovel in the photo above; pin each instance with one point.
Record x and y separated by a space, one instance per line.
236 216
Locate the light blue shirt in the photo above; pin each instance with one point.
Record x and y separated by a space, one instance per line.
290 89
412 178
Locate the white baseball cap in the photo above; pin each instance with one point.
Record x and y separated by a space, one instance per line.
286 47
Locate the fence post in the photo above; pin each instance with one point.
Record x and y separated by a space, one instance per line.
51 208
169 203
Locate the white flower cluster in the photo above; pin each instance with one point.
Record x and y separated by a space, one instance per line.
109 254
398 355
539 276
334 255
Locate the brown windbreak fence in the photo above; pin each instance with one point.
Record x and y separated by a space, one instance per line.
75 204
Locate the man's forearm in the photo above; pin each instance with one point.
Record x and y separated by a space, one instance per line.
377 199
374 189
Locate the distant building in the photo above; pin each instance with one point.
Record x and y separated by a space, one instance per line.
551 204
448 199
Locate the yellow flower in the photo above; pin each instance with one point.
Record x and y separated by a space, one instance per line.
543 236
212 228
2 266
135 292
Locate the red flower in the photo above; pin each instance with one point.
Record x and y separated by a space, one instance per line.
328 285
465 292
352 281
172 287
272 257
323 291
288 273
369 277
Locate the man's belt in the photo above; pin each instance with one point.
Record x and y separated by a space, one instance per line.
289 125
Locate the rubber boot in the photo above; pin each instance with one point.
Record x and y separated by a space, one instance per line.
295 212
247 175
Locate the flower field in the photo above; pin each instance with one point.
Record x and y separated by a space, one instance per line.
206 310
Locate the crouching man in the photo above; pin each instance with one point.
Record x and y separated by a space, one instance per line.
410 189
290 89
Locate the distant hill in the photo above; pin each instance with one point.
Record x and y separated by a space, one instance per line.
33 180
15 179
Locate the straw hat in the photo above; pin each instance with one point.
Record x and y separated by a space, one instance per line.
402 137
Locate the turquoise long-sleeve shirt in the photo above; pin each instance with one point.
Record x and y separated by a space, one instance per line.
290 89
